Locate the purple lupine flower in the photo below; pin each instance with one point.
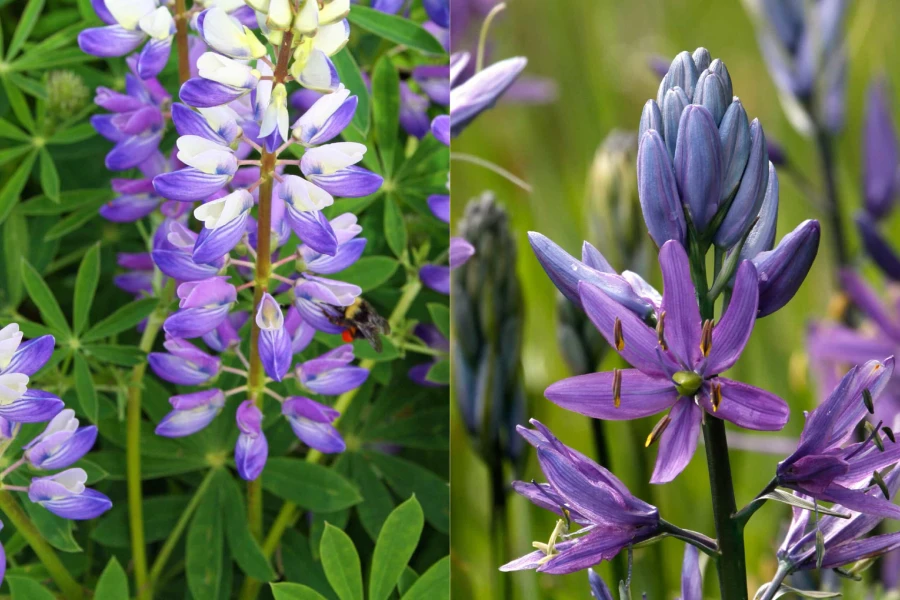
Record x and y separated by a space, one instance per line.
582 491
138 279
224 224
136 198
128 24
825 466
677 365
440 128
313 295
191 413
437 277
62 443
251 449
184 363
18 362
433 338
881 155
843 538
173 248
274 341
331 374
414 112
203 306
312 423
65 495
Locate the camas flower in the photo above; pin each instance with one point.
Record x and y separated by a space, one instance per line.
583 492
677 365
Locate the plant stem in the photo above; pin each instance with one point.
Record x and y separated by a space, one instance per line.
257 378
780 575
16 515
288 514
703 543
825 147
181 40
180 526
133 448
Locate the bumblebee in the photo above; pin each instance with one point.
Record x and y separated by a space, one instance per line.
360 320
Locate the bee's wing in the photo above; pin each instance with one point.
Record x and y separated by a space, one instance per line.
372 336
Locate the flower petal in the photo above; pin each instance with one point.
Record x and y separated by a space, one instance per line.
747 406
730 335
682 325
592 395
678 441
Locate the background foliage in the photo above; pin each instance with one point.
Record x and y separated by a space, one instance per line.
598 51
381 506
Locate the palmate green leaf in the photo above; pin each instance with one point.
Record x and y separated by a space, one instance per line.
378 502
15 245
85 287
245 549
70 200
9 193
18 104
72 135
44 299
792 500
11 132
439 372
369 272
160 515
426 429
124 318
308 485
407 478
30 86
26 23
11 154
341 563
69 224
204 549
395 546
434 583
386 111
352 79
84 388
407 580
440 316
27 588
294 591
396 29
394 226
124 356
113 582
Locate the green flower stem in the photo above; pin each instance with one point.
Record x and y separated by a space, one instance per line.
288 514
181 39
784 569
133 447
180 526
15 514
257 378
703 543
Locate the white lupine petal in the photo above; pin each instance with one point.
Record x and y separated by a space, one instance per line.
331 158
192 146
158 24
72 479
218 213
334 11
303 195
279 15
316 72
321 110
10 338
64 421
226 5
227 35
221 118
330 39
221 69
128 13
263 89
307 20
12 386
269 315
259 6
276 115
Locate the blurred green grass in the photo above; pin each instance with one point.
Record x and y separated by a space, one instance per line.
597 52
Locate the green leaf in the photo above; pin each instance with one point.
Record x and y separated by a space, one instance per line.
43 298
341 563
440 316
394 226
439 372
72 135
15 244
784 590
113 583
85 288
792 500
27 588
294 591
395 546
396 29
378 502
11 154
160 515
204 549
244 547
369 272
386 110
308 485
26 23
125 318
18 103
407 580
10 131
434 583
69 224
124 356
84 388
352 79
10 192
70 200
49 176
407 478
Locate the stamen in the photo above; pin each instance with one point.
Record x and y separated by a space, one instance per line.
889 433
661 331
617 388
716 396
658 430
617 335
878 480
706 337
867 400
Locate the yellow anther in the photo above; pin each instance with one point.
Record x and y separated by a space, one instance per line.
617 388
617 335
706 337
658 430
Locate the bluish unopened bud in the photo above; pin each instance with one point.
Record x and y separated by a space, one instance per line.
682 73
750 195
718 67
734 134
658 192
651 118
599 589
762 236
782 270
711 94
674 104
702 59
698 164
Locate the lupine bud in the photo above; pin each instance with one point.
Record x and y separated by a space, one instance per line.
487 310
274 341
66 94
698 164
280 15
750 195
251 449
782 270
658 192
674 104
881 156
762 235
227 35
191 413
65 495
61 443
734 134
184 363
307 20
